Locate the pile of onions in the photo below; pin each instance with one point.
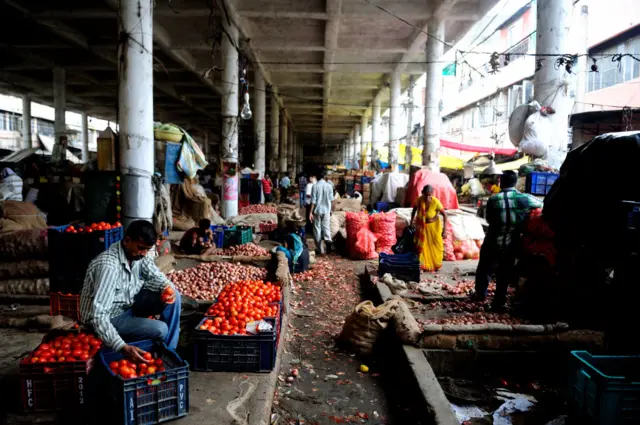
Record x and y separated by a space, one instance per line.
464 287
449 254
477 318
465 250
258 209
205 281
248 249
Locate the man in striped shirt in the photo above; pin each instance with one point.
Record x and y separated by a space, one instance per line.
123 287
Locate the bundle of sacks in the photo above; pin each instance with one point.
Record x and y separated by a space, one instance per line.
368 235
463 236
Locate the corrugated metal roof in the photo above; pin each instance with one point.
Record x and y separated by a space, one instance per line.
19 155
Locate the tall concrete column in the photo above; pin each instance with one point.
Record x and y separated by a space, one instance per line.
260 124
432 119
26 122
275 133
85 137
363 142
552 83
376 142
230 119
357 143
59 105
290 148
394 120
583 61
300 154
135 106
283 143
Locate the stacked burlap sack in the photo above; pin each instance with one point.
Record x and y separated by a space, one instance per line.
24 268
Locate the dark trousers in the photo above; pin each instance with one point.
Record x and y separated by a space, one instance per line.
502 263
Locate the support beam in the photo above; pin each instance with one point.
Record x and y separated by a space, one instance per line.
394 121
59 105
230 121
433 96
363 143
135 98
26 122
259 124
284 134
376 142
85 137
275 133
357 154
331 32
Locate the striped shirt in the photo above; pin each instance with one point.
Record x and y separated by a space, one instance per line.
110 286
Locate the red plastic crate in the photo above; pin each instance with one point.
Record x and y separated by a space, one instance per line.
65 305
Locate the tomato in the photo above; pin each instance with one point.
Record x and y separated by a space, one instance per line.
147 356
151 370
159 362
35 359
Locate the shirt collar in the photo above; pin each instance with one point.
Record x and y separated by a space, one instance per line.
509 189
123 257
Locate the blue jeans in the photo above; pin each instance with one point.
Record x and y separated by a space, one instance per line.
134 328
303 195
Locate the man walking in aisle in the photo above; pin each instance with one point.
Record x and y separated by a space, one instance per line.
302 188
320 214
285 182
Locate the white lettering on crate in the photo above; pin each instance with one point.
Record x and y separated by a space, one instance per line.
80 390
29 385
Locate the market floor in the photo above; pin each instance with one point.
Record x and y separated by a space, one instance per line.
330 387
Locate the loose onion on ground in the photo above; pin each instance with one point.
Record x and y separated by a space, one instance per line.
258 209
477 318
248 249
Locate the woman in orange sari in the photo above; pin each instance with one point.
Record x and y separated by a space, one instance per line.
429 230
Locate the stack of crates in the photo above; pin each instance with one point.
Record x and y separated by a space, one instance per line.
401 266
69 257
539 183
238 235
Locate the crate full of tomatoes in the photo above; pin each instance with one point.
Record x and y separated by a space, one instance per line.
54 376
71 249
145 392
240 330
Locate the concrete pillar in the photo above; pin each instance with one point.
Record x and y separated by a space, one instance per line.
135 106
260 124
376 142
26 122
59 105
433 95
584 65
394 120
85 137
300 154
290 148
357 143
283 143
230 119
551 84
275 133
363 143
206 146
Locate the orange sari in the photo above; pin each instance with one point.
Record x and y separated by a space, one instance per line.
428 237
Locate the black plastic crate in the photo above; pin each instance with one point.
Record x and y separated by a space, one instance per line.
70 255
401 266
235 353
151 399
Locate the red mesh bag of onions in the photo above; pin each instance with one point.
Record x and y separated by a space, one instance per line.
383 226
355 222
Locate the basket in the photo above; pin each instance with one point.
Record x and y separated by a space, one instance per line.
150 399
539 183
401 266
54 387
67 305
235 353
604 390
70 255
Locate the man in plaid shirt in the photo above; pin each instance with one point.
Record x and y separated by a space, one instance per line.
506 211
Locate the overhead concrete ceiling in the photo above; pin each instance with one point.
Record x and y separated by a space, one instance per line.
327 59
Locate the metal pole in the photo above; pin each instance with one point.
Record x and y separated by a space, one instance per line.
433 96
394 120
551 83
275 132
230 85
59 104
135 104
26 122
376 142
85 137
259 124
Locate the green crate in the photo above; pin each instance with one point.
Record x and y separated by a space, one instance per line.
237 235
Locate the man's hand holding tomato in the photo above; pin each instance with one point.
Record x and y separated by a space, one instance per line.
168 295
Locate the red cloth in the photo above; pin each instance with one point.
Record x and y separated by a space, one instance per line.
442 189
266 186
479 149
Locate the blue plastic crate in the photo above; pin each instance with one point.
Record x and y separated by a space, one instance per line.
234 353
382 206
540 183
401 266
218 235
604 390
151 399
70 254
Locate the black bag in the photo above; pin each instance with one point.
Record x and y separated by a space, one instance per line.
405 243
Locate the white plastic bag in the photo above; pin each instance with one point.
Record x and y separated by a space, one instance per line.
537 134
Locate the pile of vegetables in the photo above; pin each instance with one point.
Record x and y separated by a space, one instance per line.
456 250
241 303
205 281
258 209
65 348
128 369
464 287
477 318
248 249
93 227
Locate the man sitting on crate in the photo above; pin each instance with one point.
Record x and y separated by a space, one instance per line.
123 287
199 240
505 214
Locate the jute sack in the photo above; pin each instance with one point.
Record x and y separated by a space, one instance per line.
24 286
24 245
282 271
363 326
26 268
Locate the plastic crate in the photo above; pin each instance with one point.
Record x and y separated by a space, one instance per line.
382 206
401 266
539 183
151 399
604 390
218 235
234 353
67 305
54 387
70 255
237 235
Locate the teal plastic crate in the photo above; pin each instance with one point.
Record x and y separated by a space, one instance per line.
237 235
604 390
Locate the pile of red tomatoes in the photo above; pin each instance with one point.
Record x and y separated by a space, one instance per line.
240 303
66 348
128 369
93 227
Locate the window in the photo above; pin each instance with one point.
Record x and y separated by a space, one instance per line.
9 122
612 73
